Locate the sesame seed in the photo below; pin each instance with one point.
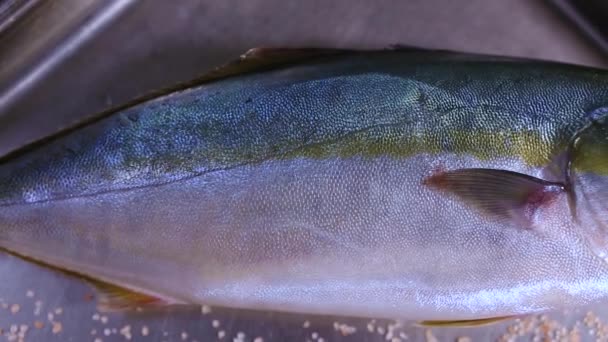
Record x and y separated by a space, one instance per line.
57 327
429 336
37 308
126 332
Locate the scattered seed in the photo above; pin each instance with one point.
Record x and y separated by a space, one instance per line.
126 332
371 326
346 329
37 308
429 336
57 327
22 330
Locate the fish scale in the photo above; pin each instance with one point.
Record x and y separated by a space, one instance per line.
309 188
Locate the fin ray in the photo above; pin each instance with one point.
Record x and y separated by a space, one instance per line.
500 193
115 298
465 323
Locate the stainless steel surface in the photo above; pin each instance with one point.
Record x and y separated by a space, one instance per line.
46 37
152 44
11 11
589 17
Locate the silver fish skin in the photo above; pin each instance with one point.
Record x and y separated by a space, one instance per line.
306 189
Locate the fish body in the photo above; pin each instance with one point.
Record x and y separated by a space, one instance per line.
318 187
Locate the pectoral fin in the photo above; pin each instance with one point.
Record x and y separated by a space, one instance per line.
500 193
464 323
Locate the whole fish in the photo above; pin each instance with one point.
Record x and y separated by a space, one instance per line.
422 185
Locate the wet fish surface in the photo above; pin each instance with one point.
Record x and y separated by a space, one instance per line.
396 184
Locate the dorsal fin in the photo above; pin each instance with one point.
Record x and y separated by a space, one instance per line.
259 59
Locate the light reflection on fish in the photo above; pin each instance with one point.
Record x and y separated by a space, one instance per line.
409 184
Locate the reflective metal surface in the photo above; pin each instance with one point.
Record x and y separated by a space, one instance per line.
11 11
68 59
589 16
49 33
